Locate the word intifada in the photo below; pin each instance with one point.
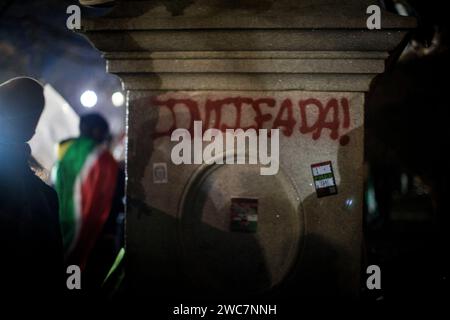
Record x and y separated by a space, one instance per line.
320 118
231 147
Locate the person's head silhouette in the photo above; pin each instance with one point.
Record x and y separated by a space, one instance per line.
94 126
21 104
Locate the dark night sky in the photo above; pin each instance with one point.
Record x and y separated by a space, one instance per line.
34 41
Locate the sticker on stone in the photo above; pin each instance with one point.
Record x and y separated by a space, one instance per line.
324 180
244 215
160 173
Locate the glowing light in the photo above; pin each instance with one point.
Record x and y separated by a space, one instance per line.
349 202
89 99
118 99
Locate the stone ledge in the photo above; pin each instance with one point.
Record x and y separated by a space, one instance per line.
243 40
246 66
242 22
246 82
137 55
257 14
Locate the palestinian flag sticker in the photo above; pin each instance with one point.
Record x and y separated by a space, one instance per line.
244 215
324 180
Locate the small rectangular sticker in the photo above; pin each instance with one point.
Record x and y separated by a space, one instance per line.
160 173
324 180
244 215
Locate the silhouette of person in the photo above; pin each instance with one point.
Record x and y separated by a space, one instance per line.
31 258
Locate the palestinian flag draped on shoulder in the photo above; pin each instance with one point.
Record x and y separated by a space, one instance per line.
86 177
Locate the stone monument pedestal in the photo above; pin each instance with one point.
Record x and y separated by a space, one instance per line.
302 67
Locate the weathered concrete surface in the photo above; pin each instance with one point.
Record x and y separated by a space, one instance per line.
178 240
242 14
187 220
240 81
